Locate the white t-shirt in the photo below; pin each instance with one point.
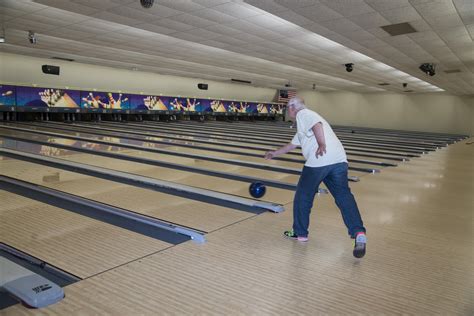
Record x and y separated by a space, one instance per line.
335 153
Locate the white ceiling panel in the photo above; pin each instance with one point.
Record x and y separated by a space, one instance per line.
22 6
25 24
341 25
158 10
318 13
436 9
382 5
116 18
401 15
269 42
173 24
100 5
132 13
237 10
62 15
184 6
68 6
214 16
369 20
154 28
210 3
444 21
67 33
348 7
193 20
222 29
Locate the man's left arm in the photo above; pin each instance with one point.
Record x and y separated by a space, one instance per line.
319 134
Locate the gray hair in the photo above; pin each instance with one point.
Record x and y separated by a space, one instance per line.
296 103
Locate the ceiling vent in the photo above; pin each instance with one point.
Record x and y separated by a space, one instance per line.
452 71
63 58
399 29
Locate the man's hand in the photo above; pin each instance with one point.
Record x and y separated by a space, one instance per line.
269 155
281 151
321 150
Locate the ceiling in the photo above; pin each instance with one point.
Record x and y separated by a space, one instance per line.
268 42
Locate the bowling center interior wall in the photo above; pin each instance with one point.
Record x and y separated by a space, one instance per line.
25 70
438 112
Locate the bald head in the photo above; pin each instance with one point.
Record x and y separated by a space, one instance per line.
296 103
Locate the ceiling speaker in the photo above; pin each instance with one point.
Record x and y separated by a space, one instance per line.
203 86
50 70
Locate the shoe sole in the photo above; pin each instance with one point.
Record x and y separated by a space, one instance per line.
359 251
295 238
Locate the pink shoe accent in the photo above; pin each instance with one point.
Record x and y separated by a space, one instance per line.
302 239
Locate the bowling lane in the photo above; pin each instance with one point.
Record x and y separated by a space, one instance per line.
189 162
118 131
278 137
198 215
195 151
407 137
74 243
354 153
239 188
239 140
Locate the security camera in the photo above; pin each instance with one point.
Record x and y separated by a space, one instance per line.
147 3
349 67
428 68
32 37
405 84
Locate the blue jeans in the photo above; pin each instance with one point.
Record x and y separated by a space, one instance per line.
335 179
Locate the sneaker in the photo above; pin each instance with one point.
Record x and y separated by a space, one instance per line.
291 234
360 243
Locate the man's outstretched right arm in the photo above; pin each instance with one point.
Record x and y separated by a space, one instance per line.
280 151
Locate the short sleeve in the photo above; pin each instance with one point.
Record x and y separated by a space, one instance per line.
295 140
311 119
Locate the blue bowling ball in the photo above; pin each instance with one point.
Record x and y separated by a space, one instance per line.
257 189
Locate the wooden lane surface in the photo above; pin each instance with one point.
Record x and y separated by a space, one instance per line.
215 143
190 162
199 215
234 187
200 152
72 242
275 195
249 135
412 266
